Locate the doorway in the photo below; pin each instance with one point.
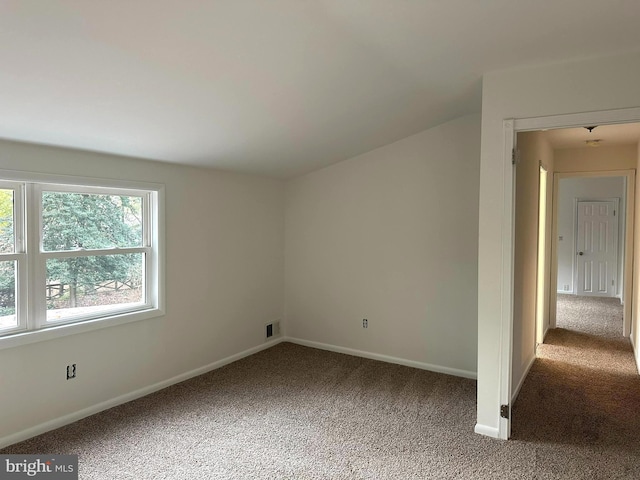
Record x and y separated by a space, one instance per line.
590 244
596 274
542 290
586 275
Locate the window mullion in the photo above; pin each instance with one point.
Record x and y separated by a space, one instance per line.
19 218
146 217
149 241
17 257
37 264
22 274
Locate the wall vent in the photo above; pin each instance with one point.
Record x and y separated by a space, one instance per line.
272 329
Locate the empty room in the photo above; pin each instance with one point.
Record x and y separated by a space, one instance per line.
329 239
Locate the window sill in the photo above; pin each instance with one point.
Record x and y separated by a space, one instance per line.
50 333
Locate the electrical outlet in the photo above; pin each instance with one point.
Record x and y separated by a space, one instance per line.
71 371
365 323
566 288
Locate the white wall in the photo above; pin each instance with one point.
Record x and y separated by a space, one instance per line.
224 281
635 321
584 188
590 85
534 151
589 159
390 236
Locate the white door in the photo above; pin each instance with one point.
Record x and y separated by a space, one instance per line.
597 252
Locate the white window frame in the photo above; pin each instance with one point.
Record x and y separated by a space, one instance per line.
31 258
19 254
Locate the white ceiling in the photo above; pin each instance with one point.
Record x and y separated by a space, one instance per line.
273 87
609 135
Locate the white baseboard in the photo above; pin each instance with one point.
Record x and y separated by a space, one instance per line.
487 431
384 358
128 397
522 379
636 353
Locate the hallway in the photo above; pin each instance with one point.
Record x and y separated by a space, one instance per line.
583 389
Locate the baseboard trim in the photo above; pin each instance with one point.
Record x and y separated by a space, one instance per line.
384 358
522 379
487 431
636 354
128 397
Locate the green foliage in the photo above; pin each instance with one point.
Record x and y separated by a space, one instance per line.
74 221
7 273
77 220
7 288
6 221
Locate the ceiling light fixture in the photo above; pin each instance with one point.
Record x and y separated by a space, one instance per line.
591 128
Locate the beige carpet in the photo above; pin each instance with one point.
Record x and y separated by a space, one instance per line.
293 412
582 394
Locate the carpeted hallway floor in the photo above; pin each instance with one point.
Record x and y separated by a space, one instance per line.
583 391
293 412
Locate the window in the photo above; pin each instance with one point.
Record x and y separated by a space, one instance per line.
76 254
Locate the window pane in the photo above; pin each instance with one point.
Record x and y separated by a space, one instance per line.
81 220
8 295
6 221
92 285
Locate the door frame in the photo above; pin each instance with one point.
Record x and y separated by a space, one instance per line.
510 128
542 283
616 207
628 288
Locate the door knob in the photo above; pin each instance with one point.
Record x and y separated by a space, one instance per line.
580 253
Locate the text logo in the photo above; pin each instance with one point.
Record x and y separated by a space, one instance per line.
51 467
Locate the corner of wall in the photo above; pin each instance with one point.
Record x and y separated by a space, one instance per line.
635 297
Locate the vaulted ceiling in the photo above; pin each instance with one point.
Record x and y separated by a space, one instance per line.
273 87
